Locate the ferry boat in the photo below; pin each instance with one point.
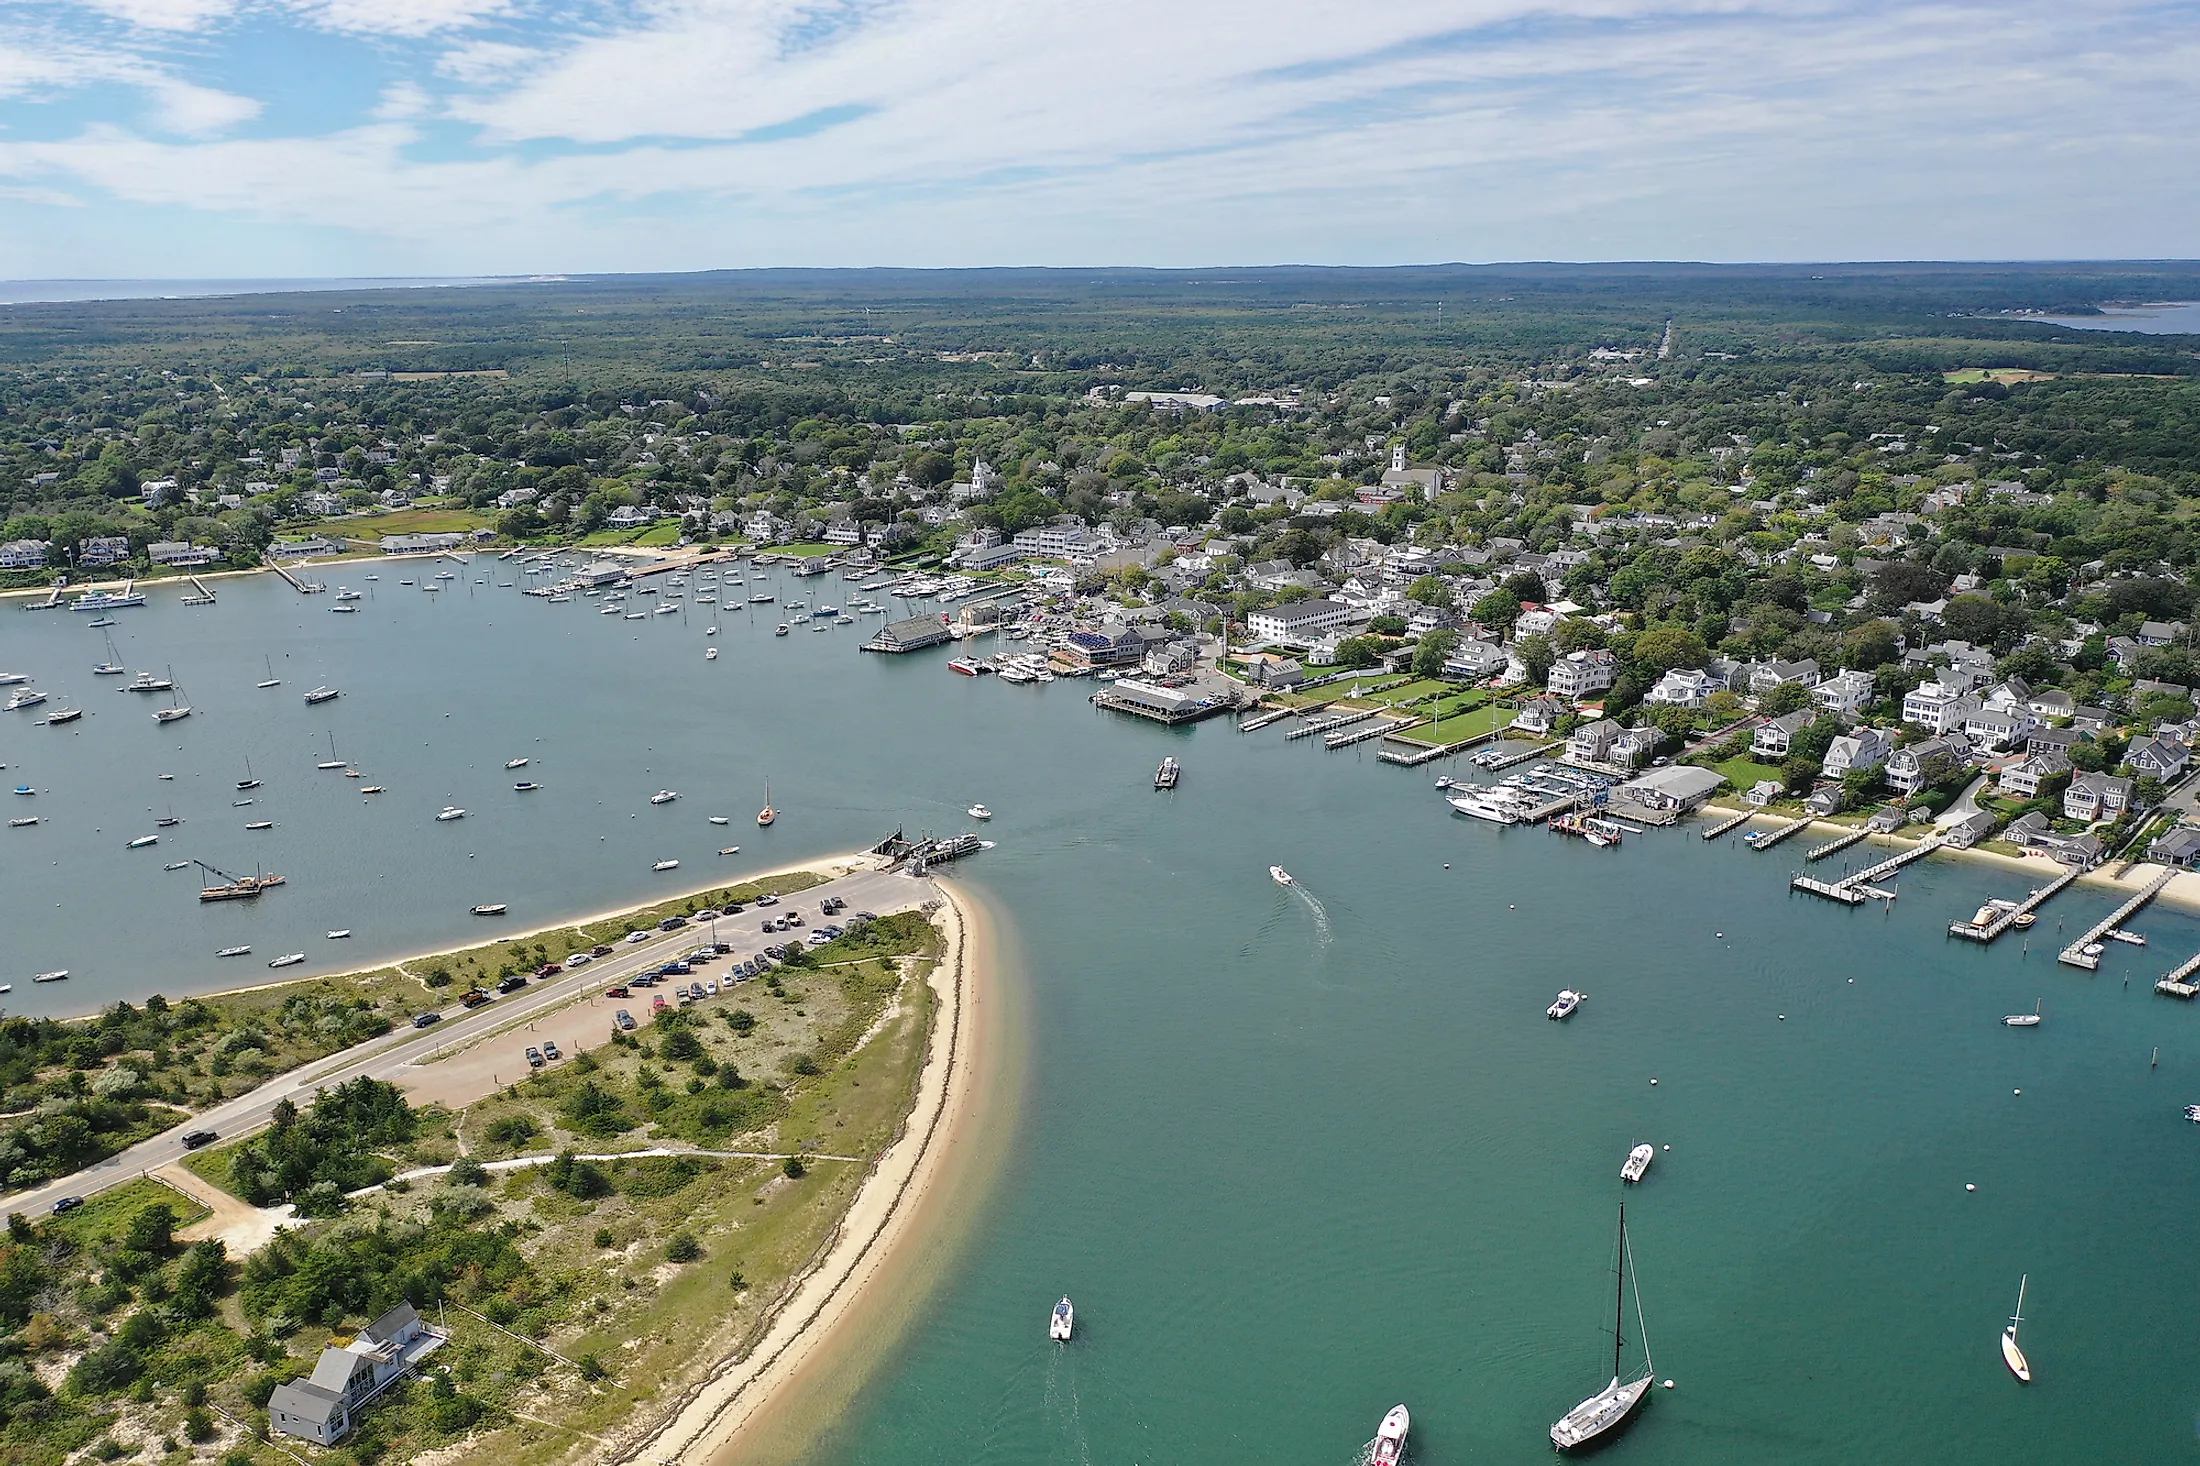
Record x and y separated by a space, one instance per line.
2011 1354
1166 776
2024 1020
1637 1164
234 952
1062 1322
495 908
1607 1409
450 812
663 796
170 715
1390 1437
323 694
1280 876
27 698
1498 806
1568 1001
292 960
142 841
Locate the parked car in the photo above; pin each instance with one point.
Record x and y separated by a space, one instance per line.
733 908
657 1003
706 915
617 992
551 1051
721 948
535 1059
193 1139
767 900
548 969
66 1205
426 1020
672 923
601 949
818 939
579 959
624 1020
474 998
513 983
794 918
674 967
639 936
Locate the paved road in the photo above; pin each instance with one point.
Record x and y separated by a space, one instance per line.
393 1053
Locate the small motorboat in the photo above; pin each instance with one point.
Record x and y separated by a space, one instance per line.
24 823
1568 1001
1390 1437
719 819
710 654
526 784
339 934
59 974
515 763
25 790
1062 1322
261 825
979 812
1280 876
2024 1020
663 796
666 865
1637 1164
450 812
142 841
70 715
234 952
782 629
490 909
290 961
175 865
731 850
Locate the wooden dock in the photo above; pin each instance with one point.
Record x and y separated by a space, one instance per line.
2177 983
2075 955
302 587
1770 838
1840 891
1331 724
1836 845
1273 715
1732 822
1510 759
1852 889
1361 735
1412 754
2008 918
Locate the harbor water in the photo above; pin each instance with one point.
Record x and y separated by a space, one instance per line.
1298 1153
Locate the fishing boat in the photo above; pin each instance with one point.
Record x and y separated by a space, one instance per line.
494 908
59 974
666 865
450 812
1280 876
2011 1354
1390 1437
2024 1020
1568 1001
1637 1164
234 952
147 682
292 960
1609 1408
323 694
142 841
1062 1322
979 812
663 796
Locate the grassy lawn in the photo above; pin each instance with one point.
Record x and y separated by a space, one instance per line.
414 521
1486 719
2003 375
1745 773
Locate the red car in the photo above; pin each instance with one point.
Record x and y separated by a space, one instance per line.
548 969
617 992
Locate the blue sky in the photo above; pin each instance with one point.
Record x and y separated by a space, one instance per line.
246 138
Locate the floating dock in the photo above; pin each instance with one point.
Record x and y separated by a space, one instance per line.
2075 954
2006 919
1732 822
1411 754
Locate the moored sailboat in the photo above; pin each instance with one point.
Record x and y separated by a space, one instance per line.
1609 1408
2011 1354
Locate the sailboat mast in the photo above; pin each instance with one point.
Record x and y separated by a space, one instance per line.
1619 1292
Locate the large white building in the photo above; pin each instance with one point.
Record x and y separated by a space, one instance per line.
1582 674
1298 623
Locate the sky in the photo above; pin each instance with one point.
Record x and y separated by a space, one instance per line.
271 138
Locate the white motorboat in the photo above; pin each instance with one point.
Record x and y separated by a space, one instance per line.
234 952
339 934
451 812
1280 876
666 865
290 961
1390 1437
2011 1354
1637 1164
515 763
979 812
494 908
710 654
59 974
1062 1321
731 850
663 796
1500 806
27 698
1608 1408
1568 1001
142 841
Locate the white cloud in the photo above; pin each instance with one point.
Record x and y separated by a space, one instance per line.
163 15
54 68
410 18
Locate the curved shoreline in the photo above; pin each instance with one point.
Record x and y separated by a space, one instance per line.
715 1416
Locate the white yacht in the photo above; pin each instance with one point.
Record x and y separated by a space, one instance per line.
979 812
666 865
451 812
1498 805
291 960
1568 1001
1390 1437
1637 1164
1062 1321
1609 1407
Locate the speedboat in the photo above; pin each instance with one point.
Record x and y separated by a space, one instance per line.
979 812
234 952
491 909
526 785
1062 1321
1637 1164
339 934
1390 1437
142 841
663 796
1280 876
666 865
290 961
451 812
1568 1000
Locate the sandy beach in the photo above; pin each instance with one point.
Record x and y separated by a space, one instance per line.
850 1290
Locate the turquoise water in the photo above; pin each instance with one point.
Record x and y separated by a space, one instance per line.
1296 1155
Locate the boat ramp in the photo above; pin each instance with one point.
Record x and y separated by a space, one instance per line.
2006 917
2076 955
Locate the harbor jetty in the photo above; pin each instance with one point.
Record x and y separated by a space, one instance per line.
2077 954
2006 916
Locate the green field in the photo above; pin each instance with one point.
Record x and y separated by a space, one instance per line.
1743 773
1485 719
412 521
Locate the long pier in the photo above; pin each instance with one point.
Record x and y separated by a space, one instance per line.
1273 715
302 587
1851 889
1495 765
1412 754
2007 919
1713 832
2177 983
1331 724
1361 735
1770 838
1836 845
2075 954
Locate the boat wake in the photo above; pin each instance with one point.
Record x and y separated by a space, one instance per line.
1062 1403
1322 932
